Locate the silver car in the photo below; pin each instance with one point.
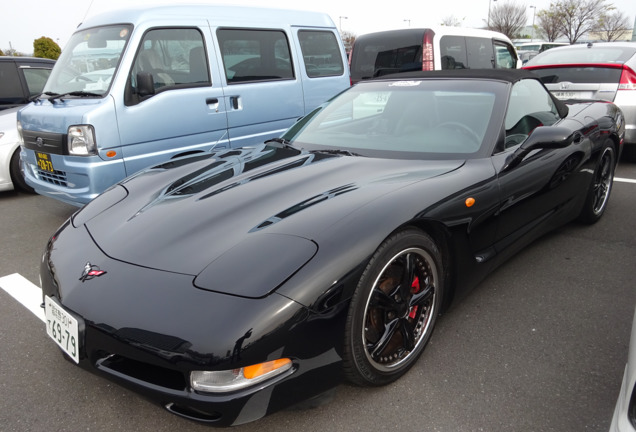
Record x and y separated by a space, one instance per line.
603 70
624 419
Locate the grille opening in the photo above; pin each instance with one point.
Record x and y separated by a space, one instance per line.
144 371
193 414
57 177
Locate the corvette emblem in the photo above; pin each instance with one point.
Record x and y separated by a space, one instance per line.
90 272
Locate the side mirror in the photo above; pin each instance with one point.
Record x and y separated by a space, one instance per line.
543 137
145 84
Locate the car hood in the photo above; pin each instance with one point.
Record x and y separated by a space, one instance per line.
187 213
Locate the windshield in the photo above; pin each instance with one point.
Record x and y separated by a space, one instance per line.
423 119
88 62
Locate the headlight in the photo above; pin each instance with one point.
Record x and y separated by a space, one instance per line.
81 140
236 379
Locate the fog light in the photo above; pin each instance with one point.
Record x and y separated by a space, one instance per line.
236 379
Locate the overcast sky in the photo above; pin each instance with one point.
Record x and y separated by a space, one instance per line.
27 20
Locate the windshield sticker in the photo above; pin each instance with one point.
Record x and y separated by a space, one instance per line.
405 83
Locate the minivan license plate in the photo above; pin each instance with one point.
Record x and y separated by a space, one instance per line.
44 162
62 328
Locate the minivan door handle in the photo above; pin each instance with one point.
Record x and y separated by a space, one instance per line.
212 103
234 100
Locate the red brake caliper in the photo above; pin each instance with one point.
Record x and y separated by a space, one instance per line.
415 287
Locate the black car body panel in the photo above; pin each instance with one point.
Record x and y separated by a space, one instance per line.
220 261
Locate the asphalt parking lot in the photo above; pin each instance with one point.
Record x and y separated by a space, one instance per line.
539 346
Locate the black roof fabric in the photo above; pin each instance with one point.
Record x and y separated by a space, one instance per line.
508 75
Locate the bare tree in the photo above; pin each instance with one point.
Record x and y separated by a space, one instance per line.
451 21
612 26
508 18
548 24
348 38
578 17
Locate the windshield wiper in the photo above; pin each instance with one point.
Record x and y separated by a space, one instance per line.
283 141
79 93
337 152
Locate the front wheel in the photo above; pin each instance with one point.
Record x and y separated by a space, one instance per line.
601 186
16 175
394 309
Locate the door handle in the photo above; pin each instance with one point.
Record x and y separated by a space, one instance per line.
212 103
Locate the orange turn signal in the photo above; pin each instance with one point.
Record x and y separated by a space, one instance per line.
111 153
254 371
470 202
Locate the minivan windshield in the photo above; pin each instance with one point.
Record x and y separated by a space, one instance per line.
89 61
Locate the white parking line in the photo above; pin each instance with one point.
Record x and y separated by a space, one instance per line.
624 180
28 294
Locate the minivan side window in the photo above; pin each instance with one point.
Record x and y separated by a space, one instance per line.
174 57
506 57
35 79
321 53
255 55
453 52
480 53
10 87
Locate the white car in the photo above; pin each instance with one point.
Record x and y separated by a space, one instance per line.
10 175
624 419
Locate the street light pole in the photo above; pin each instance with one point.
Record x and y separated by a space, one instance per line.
341 22
534 11
489 13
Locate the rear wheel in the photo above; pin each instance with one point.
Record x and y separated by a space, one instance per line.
394 309
601 186
16 175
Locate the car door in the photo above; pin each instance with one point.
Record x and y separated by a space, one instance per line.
542 191
264 93
186 112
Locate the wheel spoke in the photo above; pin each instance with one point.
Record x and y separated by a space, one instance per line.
408 274
375 349
407 335
381 300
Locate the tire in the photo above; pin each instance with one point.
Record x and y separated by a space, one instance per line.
16 175
394 309
601 186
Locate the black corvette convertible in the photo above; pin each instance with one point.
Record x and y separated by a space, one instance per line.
231 284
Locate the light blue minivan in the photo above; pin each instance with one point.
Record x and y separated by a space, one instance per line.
137 87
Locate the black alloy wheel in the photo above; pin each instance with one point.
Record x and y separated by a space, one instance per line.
394 309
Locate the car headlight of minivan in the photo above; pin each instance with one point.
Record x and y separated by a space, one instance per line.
236 379
81 140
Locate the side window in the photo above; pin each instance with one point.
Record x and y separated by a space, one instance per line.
530 106
506 57
174 57
480 53
321 53
255 55
453 52
35 79
10 87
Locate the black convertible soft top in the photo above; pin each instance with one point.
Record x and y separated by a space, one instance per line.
507 75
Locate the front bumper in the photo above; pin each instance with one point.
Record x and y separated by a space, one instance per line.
147 330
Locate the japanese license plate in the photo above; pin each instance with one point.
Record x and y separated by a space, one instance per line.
572 95
44 161
62 328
